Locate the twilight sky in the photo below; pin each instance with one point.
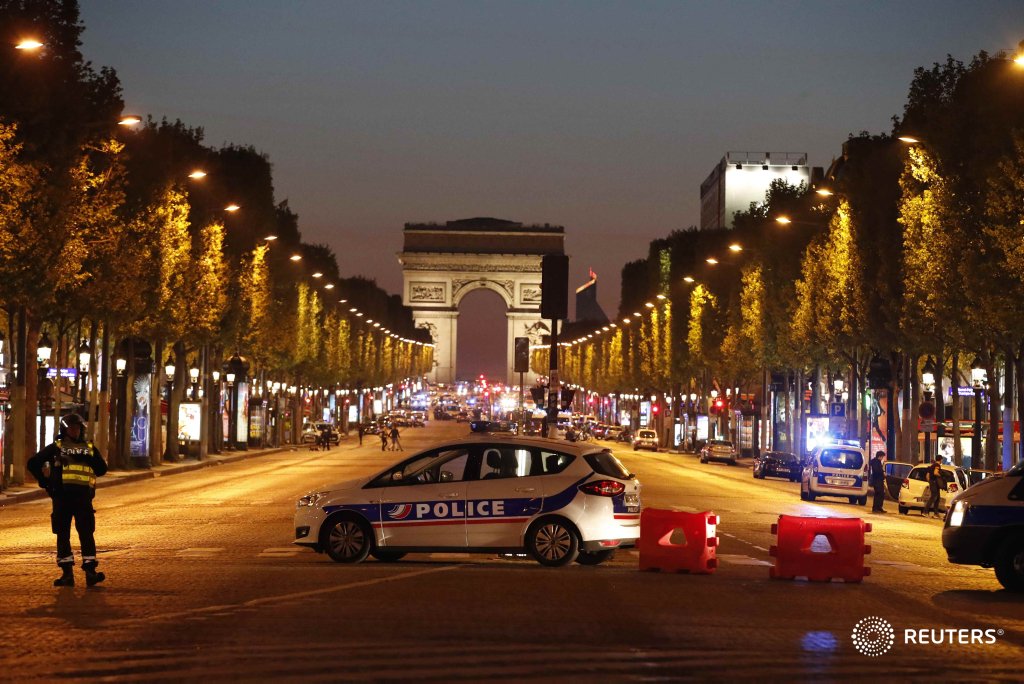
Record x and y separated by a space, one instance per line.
603 117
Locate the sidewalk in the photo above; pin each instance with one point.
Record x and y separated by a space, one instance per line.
30 490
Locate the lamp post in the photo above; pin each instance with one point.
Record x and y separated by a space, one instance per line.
84 357
216 405
978 377
193 376
927 409
45 389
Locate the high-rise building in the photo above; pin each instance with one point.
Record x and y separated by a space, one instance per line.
744 177
587 308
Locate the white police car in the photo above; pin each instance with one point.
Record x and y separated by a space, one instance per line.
559 501
985 526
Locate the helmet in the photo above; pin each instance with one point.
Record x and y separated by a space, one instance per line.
71 419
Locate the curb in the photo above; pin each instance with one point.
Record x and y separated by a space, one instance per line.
31 493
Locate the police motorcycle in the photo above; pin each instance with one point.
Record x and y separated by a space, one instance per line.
985 526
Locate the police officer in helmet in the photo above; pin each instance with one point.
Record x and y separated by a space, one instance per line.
68 469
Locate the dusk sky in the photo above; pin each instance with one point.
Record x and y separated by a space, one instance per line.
602 117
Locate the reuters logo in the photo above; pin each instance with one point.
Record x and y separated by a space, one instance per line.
873 636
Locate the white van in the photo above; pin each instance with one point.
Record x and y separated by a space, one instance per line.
835 470
985 526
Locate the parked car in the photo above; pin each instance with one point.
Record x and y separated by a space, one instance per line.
645 439
777 464
835 470
559 502
719 450
915 490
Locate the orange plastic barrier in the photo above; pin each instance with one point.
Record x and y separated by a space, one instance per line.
673 541
820 549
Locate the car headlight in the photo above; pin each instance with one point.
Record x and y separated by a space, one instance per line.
310 499
956 518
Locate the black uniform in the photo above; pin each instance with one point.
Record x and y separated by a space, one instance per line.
68 469
877 469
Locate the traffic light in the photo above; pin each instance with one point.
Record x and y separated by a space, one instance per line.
717 406
654 409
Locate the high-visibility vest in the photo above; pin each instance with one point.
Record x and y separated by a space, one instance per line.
76 473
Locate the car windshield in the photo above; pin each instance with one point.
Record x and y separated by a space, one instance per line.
646 434
720 442
604 463
842 458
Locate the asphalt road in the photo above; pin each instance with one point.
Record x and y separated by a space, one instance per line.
203 583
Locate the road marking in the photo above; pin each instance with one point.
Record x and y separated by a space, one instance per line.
740 559
207 611
199 552
760 548
280 552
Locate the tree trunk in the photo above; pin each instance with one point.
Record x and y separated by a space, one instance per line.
958 408
1007 452
912 397
156 449
992 443
1019 363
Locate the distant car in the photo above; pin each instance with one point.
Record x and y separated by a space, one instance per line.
719 450
462 417
915 490
777 464
612 433
311 433
557 501
645 439
418 419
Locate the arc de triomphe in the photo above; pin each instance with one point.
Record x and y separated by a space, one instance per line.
441 264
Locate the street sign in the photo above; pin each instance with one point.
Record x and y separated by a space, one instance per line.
837 410
927 425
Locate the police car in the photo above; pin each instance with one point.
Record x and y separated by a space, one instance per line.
558 501
985 526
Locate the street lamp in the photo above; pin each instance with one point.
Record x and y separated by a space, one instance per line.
193 375
84 356
44 349
169 368
978 378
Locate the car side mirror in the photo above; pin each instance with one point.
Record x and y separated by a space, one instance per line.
446 476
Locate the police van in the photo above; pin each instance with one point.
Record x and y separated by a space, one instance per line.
985 526
559 501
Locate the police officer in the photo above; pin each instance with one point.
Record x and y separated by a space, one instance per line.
877 470
935 483
68 469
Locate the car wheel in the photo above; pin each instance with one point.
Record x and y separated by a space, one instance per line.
853 500
594 557
811 496
385 556
635 448
863 501
347 539
1009 563
552 542
903 510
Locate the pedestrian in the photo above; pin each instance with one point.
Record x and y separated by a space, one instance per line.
383 439
936 483
68 469
361 434
325 437
396 445
877 480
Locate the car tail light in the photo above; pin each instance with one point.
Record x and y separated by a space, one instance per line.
603 488
610 542
906 483
953 487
